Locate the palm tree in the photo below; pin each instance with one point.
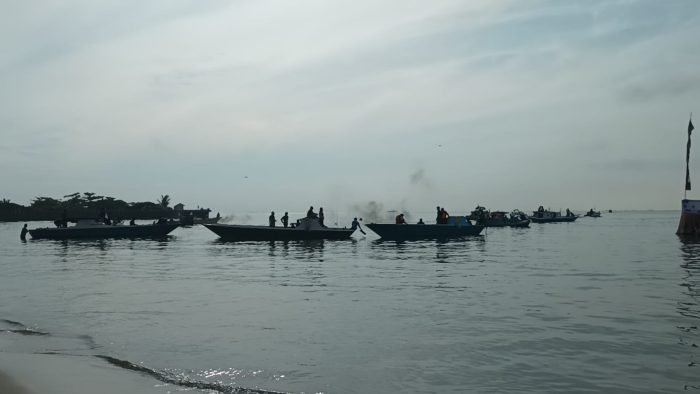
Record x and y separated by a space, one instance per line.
164 201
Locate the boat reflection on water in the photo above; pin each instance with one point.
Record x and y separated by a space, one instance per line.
689 306
690 250
299 250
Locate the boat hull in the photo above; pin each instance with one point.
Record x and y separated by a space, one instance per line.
232 232
501 223
101 232
689 223
423 231
559 219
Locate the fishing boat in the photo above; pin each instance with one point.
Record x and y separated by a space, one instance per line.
592 214
456 227
86 229
542 215
303 229
487 218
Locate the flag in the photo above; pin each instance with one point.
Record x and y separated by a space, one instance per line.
687 156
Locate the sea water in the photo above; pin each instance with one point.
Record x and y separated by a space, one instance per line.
607 304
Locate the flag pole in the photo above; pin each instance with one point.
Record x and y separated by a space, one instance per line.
687 158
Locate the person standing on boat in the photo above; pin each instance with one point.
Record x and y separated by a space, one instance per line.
400 219
443 216
285 219
437 217
310 214
272 219
356 226
568 213
321 216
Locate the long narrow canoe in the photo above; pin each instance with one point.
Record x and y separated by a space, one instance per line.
305 229
458 226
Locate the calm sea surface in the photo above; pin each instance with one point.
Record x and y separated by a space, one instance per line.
608 304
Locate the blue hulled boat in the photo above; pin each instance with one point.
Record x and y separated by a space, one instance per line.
456 227
95 230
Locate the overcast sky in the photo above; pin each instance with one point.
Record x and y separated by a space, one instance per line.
251 105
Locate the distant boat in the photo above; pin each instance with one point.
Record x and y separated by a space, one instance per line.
499 218
192 220
593 214
542 215
457 226
85 229
304 229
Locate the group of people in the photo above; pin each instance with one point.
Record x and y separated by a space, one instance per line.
441 218
284 219
310 214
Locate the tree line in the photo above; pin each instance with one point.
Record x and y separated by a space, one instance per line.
84 205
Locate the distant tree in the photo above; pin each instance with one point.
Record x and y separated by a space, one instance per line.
45 202
5 201
74 200
146 205
164 201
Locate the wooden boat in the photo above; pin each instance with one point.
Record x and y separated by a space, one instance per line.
456 227
304 229
592 214
499 218
85 229
542 215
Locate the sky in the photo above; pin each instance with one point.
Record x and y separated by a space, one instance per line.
253 105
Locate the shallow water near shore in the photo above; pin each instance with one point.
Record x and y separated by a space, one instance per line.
606 304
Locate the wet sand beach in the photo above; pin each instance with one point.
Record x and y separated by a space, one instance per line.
9 386
56 374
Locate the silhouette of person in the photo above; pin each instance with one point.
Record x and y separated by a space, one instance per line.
321 216
420 221
400 219
310 214
132 222
356 226
437 217
272 219
443 216
285 219
23 233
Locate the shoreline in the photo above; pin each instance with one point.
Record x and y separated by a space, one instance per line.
62 374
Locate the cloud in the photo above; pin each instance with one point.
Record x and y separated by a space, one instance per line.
311 95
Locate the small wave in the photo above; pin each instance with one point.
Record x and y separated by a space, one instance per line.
165 378
27 331
12 322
